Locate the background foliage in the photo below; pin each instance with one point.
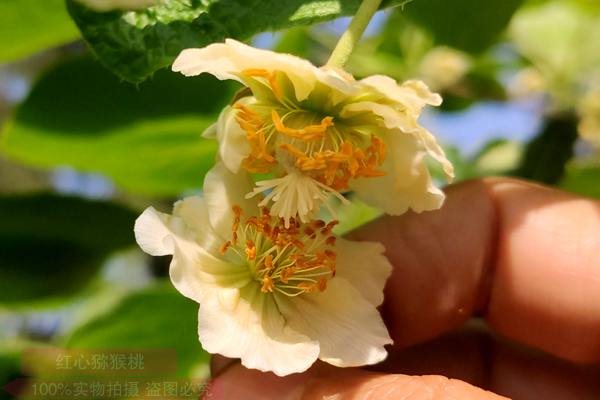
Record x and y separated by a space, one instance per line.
95 128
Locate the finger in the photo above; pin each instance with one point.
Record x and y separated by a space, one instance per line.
524 255
484 360
328 382
546 284
469 354
439 260
219 364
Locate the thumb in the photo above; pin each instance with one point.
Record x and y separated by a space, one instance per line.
325 382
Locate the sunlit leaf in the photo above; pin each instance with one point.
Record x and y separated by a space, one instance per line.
136 44
582 178
28 26
146 138
155 318
498 157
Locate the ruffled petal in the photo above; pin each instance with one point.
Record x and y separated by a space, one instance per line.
364 266
407 182
390 117
222 191
193 270
397 120
246 324
413 94
193 212
228 60
233 143
349 328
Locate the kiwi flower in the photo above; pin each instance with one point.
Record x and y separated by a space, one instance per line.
278 296
320 133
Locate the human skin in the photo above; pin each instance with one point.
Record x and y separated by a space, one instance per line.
522 258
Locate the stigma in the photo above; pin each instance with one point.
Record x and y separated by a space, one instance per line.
290 259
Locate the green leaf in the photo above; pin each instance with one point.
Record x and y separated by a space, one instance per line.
546 155
498 157
28 26
147 139
155 318
469 25
52 246
136 44
582 177
354 215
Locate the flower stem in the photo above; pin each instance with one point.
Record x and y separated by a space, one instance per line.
352 35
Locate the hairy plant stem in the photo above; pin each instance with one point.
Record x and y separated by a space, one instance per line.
351 36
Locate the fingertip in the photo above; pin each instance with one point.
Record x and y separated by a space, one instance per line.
237 382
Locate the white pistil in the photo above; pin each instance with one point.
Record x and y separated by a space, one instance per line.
295 194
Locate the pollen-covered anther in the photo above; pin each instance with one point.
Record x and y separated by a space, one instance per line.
308 133
289 259
260 159
225 247
270 76
250 250
267 285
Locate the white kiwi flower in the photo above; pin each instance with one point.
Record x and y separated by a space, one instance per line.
278 296
319 132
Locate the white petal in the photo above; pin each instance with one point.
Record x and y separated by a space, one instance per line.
436 151
154 232
222 190
193 212
407 182
364 265
390 117
397 120
246 324
233 143
210 132
193 270
227 60
413 94
349 328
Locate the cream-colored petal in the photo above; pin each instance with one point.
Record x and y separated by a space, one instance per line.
222 191
364 266
210 132
412 94
436 152
388 116
349 328
393 119
233 143
407 182
193 211
245 323
193 270
227 60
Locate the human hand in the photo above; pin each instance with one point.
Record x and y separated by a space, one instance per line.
524 258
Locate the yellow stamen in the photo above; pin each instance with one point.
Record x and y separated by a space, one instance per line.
267 285
291 259
271 77
308 133
250 250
